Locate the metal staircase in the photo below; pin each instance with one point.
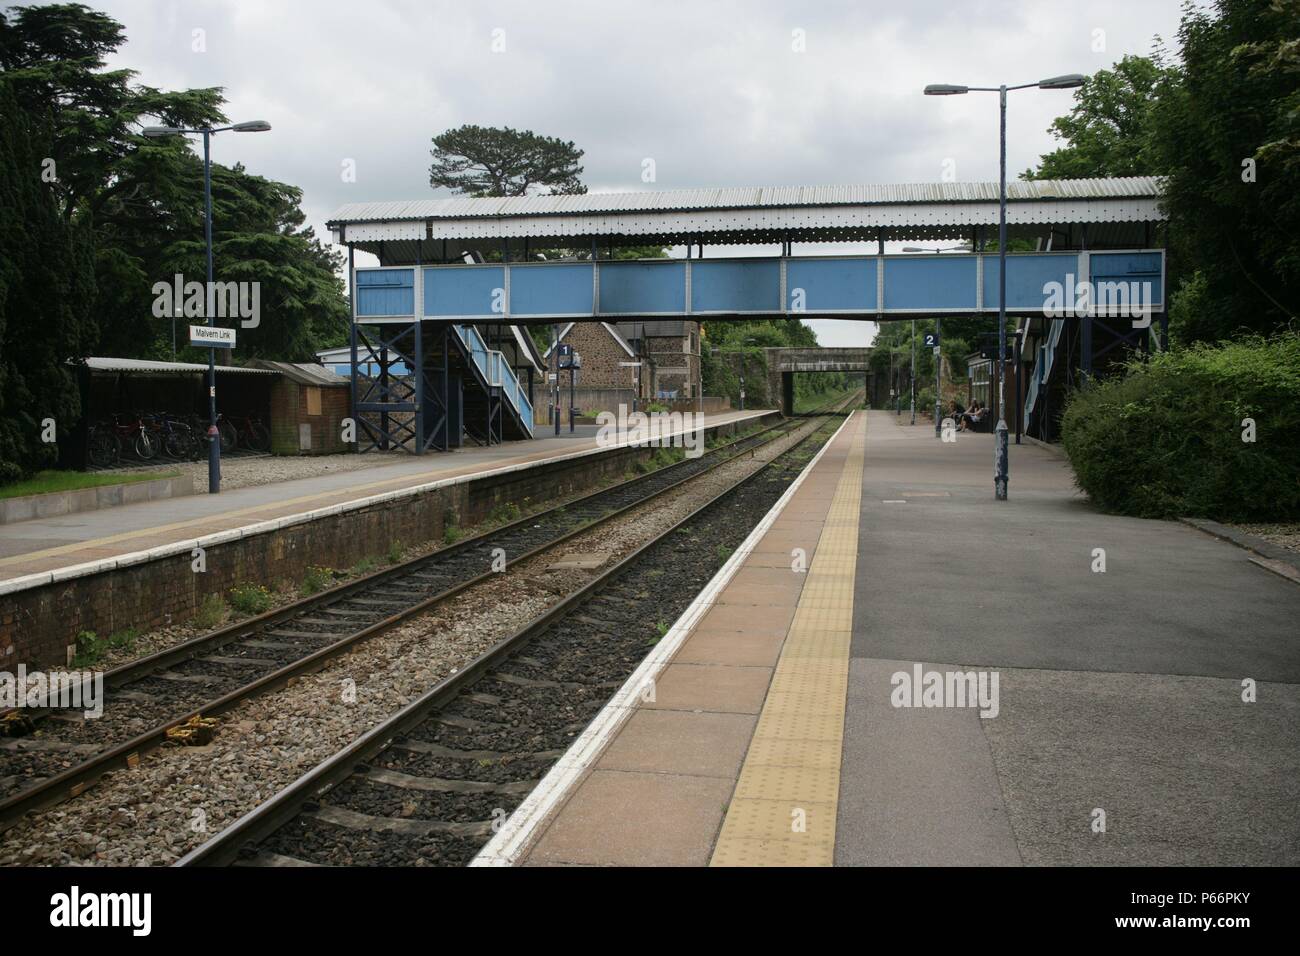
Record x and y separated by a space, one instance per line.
499 408
1042 373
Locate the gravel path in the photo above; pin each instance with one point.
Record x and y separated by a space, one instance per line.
178 797
268 469
1284 535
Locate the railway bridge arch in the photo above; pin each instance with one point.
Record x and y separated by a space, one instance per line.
783 364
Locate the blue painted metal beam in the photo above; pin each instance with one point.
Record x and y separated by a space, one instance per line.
1058 284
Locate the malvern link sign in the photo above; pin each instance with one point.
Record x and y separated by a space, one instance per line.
212 337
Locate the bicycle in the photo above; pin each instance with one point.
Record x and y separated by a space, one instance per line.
102 446
133 436
252 433
175 438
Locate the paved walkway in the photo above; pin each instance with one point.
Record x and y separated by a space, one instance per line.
32 547
1116 729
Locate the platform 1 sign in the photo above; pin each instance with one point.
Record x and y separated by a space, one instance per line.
212 336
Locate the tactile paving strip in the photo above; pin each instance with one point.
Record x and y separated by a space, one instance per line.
783 810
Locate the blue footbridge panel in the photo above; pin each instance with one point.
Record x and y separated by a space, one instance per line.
867 287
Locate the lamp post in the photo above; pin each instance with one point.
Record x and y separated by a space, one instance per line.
157 132
747 341
911 373
1066 82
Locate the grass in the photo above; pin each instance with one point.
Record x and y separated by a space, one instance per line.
317 579
250 599
504 513
452 534
395 551
212 612
364 566
44 482
90 647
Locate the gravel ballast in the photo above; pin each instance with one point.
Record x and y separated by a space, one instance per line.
178 797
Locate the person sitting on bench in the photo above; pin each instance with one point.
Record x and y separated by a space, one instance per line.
973 417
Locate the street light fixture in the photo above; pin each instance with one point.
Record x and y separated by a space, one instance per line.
1065 82
157 132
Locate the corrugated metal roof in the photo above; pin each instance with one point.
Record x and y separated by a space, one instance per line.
751 197
108 364
304 373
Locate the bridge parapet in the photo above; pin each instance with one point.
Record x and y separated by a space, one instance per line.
784 363
818 359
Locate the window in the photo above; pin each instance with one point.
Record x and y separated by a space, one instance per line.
980 374
313 400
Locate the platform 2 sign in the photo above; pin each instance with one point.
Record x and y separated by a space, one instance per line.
211 336
931 340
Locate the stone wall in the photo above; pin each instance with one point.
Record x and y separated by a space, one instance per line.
38 624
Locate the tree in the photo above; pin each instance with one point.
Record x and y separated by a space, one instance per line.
46 287
724 341
141 199
1107 131
1222 128
1227 137
489 161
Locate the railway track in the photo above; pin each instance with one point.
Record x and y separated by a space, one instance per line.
212 673
429 785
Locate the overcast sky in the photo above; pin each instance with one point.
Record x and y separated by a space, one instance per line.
716 93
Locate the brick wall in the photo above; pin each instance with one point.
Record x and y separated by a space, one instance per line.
290 404
37 624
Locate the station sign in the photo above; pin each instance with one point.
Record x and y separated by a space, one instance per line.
211 336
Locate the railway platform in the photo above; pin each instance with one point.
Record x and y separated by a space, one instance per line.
82 540
895 668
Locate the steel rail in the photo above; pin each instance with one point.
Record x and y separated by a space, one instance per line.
77 779
263 820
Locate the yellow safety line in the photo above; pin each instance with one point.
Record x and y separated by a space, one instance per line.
783 809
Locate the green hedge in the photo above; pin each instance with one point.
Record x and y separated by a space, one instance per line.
1165 440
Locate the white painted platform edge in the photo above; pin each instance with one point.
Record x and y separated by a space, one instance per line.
520 829
29 581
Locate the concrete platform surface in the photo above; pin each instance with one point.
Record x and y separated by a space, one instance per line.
1144 714
49 544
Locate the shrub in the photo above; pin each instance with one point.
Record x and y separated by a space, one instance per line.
250 599
88 649
395 551
316 579
1166 439
212 611
504 513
